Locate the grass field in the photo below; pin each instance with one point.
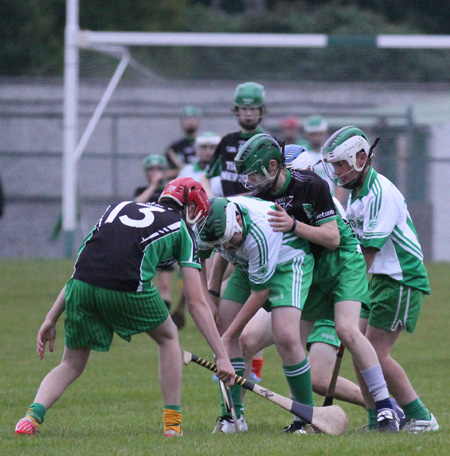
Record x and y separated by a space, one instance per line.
115 408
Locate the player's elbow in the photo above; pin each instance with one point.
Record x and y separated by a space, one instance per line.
333 241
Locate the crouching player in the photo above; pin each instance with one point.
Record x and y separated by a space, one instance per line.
272 269
111 291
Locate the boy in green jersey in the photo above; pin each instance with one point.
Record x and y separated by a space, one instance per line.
378 215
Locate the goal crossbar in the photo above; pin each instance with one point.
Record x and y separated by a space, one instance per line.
76 39
87 38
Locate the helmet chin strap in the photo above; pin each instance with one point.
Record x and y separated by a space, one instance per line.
279 165
275 180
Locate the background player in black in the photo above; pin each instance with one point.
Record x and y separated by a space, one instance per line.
111 291
249 109
182 151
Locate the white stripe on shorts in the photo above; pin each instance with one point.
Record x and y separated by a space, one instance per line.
297 280
401 322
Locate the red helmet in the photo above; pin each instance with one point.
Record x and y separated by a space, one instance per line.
185 190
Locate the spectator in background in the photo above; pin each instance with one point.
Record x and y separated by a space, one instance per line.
182 151
290 130
315 130
155 167
205 145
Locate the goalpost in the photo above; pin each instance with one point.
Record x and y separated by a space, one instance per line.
119 42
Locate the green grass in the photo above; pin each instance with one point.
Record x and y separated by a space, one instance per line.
115 408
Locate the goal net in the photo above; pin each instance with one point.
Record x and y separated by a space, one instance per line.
376 83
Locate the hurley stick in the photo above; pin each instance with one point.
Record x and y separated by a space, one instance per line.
329 420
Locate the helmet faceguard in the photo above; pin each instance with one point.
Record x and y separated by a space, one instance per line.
344 145
221 224
253 161
183 191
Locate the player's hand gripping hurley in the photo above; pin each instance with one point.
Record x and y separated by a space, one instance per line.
329 420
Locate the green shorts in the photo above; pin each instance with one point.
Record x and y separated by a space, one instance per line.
93 314
289 284
323 331
392 305
339 275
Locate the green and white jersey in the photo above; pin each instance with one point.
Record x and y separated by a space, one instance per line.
380 218
263 249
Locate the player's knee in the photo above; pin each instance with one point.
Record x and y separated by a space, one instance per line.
248 345
349 336
288 345
165 333
74 367
319 384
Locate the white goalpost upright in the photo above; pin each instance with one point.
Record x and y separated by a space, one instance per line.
76 39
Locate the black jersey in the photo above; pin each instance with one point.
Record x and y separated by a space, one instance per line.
130 242
307 197
223 158
185 149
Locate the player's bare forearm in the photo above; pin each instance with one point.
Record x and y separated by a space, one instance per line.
213 301
203 318
47 331
58 307
218 269
327 235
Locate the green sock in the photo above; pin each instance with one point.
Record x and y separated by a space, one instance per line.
37 411
299 380
416 410
372 418
177 408
239 368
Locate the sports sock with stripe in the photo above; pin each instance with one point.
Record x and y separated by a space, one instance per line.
299 380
